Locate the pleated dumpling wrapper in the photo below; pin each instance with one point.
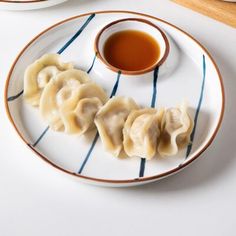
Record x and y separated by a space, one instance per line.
110 121
61 94
80 118
142 132
176 128
38 74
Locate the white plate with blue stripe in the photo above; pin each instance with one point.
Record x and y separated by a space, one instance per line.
23 5
189 74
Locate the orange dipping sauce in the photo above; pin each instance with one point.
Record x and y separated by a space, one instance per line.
131 50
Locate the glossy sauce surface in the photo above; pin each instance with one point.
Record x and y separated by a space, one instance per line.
131 50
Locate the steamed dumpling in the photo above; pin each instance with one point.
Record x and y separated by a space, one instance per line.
80 118
38 74
176 128
60 92
110 121
141 132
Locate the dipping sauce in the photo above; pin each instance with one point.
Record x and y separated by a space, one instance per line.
131 50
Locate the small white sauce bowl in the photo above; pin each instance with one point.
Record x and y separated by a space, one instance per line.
132 24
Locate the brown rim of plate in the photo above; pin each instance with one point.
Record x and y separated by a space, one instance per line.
32 1
127 72
135 180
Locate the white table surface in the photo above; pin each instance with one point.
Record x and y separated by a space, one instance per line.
36 199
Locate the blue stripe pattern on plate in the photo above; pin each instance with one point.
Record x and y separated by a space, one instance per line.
153 104
40 137
12 98
91 67
189 148
75 36
113 93
65 46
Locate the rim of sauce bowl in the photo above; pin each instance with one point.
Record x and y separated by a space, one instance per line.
141 25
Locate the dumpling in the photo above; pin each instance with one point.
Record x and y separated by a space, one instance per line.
38 74
176 128
141 132
80 118
60 92
110 121
70 102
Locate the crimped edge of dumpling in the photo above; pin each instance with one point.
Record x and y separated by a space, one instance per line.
105 138
127 140
174 136
32 92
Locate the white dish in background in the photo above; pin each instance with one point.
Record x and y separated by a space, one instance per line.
189 73
28 5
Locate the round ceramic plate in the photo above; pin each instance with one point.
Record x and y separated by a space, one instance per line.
27 5
189 74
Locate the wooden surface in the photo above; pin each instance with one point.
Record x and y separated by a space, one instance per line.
219 10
